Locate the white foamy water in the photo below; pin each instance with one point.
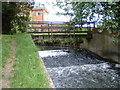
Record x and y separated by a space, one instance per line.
85 76
52 53
77 70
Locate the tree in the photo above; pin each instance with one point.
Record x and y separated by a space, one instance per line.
113 22
86 11
8 14
15 15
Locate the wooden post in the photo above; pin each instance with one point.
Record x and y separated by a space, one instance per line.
51 29
74 31
48 28
41 29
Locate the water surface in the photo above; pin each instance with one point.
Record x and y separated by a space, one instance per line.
79 68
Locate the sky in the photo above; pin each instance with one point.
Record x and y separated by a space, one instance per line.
52 11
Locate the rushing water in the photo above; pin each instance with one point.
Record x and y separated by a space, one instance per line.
79 68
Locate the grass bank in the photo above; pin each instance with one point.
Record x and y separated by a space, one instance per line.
0 60
5 52
29 70
64 42
5 47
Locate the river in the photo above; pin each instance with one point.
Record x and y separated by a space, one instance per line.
78 68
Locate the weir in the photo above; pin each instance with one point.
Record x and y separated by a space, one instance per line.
78 68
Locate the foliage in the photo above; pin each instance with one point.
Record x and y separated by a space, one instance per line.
29 70
15 15
111 17
0 59
72 42
8 14
6 47
91 11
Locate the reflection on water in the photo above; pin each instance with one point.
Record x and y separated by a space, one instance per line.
69 68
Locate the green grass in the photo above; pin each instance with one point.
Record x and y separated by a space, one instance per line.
6 47
68 42
29 69
0 57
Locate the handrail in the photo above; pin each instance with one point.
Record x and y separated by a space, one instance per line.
62 32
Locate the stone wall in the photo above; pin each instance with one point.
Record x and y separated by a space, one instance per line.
102 44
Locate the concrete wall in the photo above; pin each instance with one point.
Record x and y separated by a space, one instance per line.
101 44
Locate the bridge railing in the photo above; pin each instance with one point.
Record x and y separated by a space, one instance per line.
42 26
55 28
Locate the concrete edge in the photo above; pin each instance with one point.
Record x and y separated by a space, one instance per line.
46 71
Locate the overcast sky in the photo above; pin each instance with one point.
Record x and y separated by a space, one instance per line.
52 11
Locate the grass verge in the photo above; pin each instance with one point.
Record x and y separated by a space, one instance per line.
6 47
29 69
5 51
0 61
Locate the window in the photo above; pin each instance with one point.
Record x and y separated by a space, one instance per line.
38 13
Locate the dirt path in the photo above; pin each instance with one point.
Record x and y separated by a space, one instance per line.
9 66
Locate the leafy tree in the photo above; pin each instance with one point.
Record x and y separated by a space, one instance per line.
86 11
15 15
111 17
8 14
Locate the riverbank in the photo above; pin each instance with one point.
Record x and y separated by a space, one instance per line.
104 45
91 45
61 42
28 69
5 48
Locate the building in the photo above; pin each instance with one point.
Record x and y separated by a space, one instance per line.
39 13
